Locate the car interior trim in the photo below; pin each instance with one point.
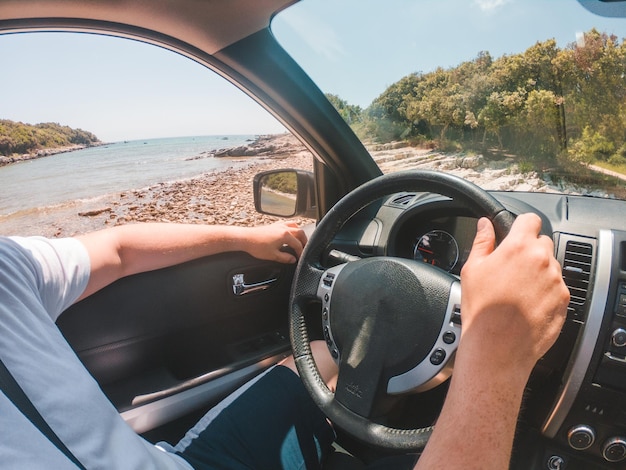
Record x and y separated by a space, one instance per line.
589 335
152 415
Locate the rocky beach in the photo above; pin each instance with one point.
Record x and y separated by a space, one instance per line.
225 197
221 197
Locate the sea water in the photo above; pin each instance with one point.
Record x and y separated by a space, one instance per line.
35 193
108 169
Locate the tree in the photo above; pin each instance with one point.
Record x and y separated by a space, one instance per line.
350 113
20 138
518 102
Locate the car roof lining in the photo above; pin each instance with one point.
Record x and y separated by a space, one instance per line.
209 25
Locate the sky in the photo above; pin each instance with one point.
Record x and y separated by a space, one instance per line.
126 90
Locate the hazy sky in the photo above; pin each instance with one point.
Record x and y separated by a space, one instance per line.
124 90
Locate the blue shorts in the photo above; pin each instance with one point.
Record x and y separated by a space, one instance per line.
270 423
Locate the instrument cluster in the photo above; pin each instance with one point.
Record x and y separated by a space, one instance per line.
444 242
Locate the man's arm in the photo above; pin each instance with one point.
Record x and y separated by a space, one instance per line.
513 307
129 249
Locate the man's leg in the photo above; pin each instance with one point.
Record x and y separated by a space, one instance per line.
269 423
324 361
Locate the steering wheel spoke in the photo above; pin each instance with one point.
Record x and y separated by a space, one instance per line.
310 276
360 383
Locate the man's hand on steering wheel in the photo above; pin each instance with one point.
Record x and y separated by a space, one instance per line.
514 304
514 297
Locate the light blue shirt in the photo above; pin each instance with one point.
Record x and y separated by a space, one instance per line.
39 279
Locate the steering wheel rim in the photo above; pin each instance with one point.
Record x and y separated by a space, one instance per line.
309 272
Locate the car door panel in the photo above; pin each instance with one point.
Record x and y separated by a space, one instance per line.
157 334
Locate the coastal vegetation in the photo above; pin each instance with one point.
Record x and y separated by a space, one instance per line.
549 107
17 138
284 182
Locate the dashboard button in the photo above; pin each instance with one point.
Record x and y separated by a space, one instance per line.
618 338
614 449
621 303
581 437
555 462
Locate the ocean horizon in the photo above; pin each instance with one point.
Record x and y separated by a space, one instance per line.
96 172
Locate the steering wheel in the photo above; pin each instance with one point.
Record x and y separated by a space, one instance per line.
392 324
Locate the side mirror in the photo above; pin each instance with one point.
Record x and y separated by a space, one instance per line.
285 193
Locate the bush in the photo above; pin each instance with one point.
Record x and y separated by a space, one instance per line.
617 159
591 147
284 182
525 166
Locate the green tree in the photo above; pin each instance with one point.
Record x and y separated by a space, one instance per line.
350 113
20 138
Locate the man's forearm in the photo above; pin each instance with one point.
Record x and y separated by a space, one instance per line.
477 424
130 249
146 247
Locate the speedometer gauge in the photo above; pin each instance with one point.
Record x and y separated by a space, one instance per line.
437 248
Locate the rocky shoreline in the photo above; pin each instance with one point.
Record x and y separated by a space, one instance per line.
43 153
225 197
219 197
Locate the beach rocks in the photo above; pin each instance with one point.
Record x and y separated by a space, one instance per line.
40 153
268 146
489 175
223 197
94 212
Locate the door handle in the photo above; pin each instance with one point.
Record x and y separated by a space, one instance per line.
240 287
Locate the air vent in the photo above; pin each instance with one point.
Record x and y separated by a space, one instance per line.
403 199
576 274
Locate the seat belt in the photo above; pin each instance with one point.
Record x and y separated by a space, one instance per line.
14 392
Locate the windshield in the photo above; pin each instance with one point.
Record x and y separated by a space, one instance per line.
525 95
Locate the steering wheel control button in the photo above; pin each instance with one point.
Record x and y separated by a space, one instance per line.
456 315
327 284
614 450
581 437
437 357
449 337
618 338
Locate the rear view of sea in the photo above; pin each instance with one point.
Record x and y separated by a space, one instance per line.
51 184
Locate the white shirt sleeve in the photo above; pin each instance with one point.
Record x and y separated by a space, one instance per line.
61 268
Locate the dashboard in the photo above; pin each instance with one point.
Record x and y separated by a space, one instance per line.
574 416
